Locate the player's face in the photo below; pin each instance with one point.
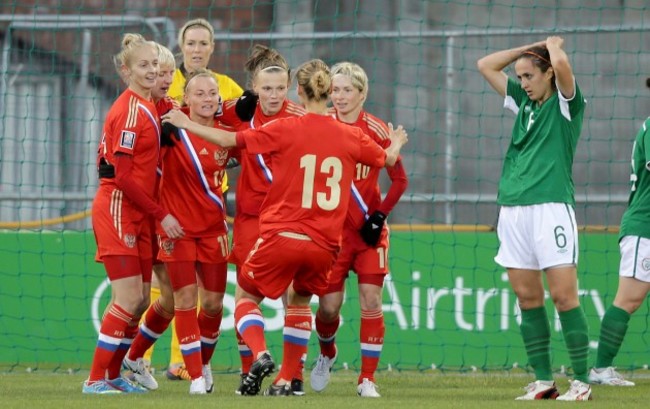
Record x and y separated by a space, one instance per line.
142 71
346 97
163 82
536 83
272 88
197 48
203 97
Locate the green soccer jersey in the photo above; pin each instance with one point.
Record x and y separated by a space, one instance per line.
636 219
538 164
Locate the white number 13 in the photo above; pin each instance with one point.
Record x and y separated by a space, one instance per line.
331 165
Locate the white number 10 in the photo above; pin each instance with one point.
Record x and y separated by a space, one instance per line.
331 165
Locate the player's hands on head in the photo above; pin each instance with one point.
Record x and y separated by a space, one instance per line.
372 228
554 41
172 228
177 118
246 105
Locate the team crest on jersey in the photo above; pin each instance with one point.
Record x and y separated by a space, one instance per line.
127 140
167 246
129 240
646 264
221 156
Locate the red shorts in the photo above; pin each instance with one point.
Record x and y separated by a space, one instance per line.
370 263
120 229
210 249
278 260
245 232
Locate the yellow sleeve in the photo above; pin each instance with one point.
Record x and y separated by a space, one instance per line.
224 183
228 88
176 89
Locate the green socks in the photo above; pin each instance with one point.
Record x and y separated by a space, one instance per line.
576 338
612 332
536 332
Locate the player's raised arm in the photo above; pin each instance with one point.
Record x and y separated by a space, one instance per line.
218 136
561 66
491 66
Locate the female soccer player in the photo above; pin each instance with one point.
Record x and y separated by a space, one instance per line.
270 80
161 311
537 225
127 159
191 185
634 271
365 239
301 218
196 41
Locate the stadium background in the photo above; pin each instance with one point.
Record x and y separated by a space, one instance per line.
447 304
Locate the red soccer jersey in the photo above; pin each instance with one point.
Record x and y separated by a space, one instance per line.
314 159
257 170
191 184
366 195
164 104
132 128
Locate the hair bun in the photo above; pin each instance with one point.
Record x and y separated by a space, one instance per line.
647 82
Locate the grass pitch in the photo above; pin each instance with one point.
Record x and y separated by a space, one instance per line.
399 390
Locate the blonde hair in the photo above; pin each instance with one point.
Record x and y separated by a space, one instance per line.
197 22
201 72
131 42
263 58
353 71
315 79
165 57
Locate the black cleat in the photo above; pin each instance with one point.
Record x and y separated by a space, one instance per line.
297 387
278 390
260 369
239 390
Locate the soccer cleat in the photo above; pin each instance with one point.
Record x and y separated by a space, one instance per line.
297 387
320 375
239 390
278 390
141 373
608 376
126 386
209 380
260 369
368 389
539 390
197 387
578 391
177 373
100 387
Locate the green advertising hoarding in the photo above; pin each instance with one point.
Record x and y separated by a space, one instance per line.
447 305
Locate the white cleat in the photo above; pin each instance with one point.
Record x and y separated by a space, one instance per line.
140 373
578 391
368 389
608 376
209 380
320 375
540 390
197 387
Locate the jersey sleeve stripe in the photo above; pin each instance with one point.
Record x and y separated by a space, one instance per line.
132 117
377 127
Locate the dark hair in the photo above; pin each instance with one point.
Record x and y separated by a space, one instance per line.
265 58
647 82
541 58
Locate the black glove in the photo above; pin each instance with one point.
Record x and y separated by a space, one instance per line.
166 134
232 163
246 104
371 229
